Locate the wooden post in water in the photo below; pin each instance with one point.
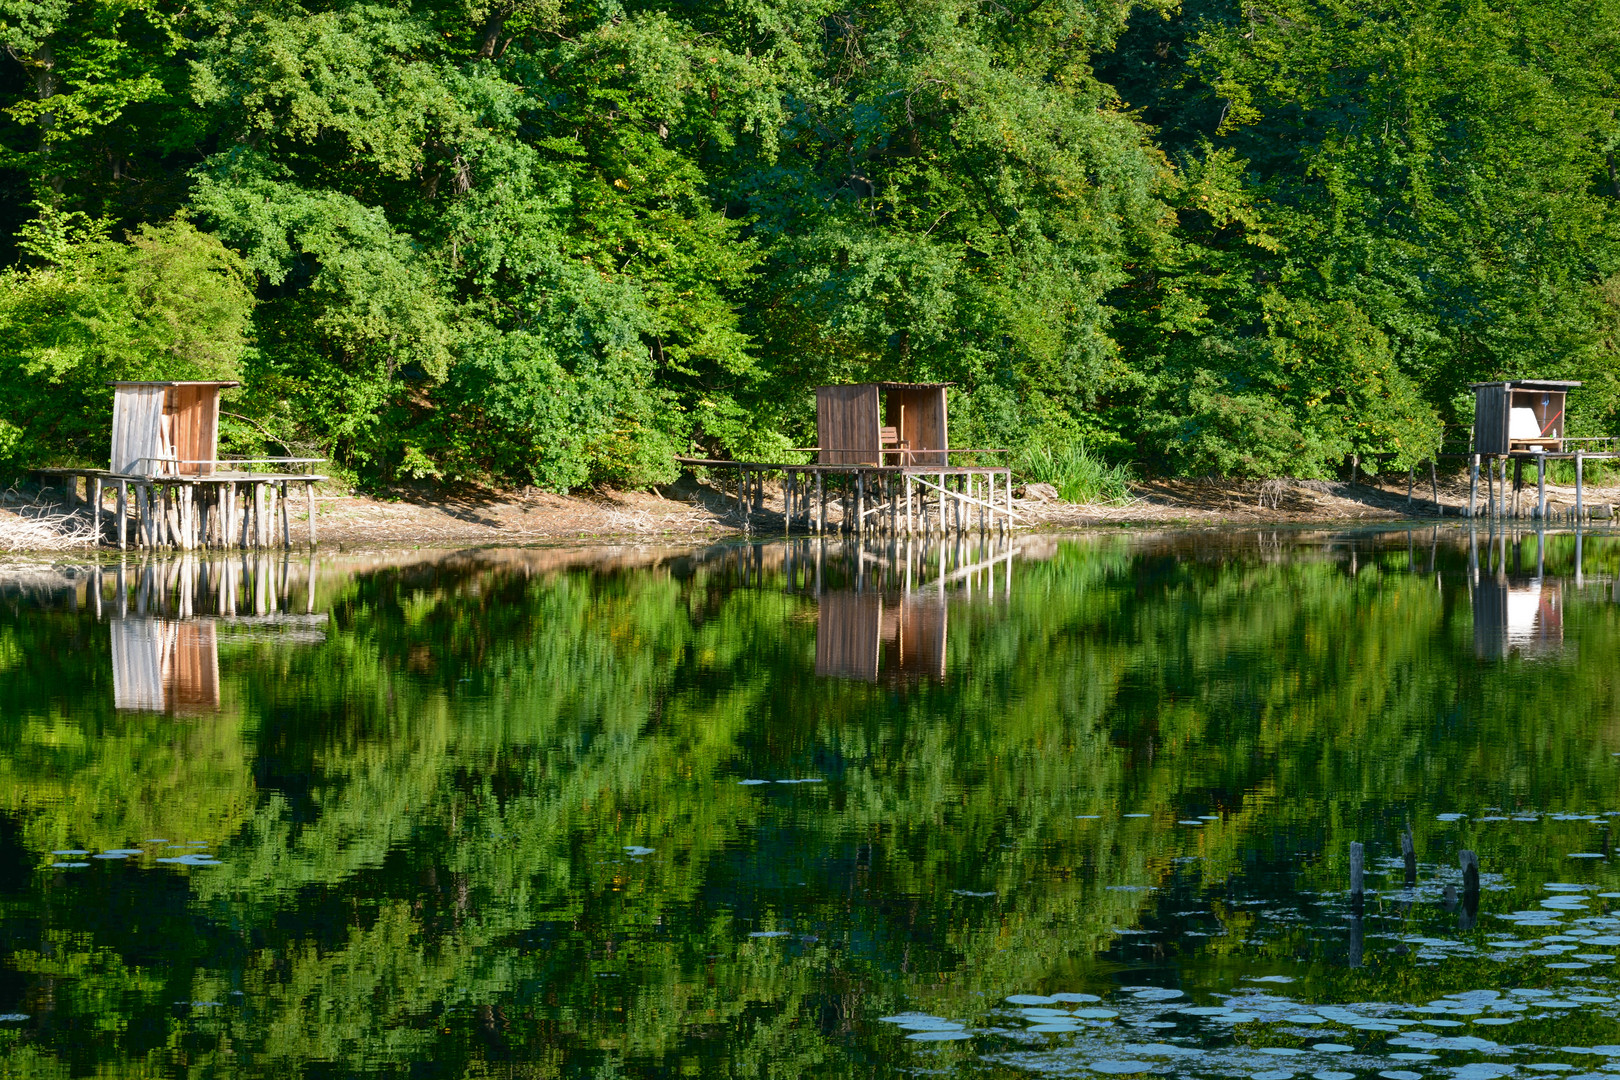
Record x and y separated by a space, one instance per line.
821 509
1470 870
1434 489
1580 505
910 524
286 521
1541 486
1357 869
1473 484
1409 474
123 512
1409 858
309 498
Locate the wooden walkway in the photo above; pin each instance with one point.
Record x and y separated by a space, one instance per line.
188 512
883 500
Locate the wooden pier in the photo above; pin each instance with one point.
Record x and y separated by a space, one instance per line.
187 513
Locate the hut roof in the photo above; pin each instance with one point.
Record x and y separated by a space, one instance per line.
1530 384
166 382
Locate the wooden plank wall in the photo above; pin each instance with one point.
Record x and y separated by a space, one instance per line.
847 635
196 420
847 424
1491 419
137 413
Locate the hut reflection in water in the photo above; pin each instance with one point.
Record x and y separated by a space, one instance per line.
887 617
168 617
1515 611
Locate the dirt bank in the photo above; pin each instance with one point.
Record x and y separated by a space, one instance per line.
470 516
698 512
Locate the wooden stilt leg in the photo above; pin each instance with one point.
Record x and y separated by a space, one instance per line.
1541 487
821 504
258 515
123 512
1473 484
1580 503
286 523
309 498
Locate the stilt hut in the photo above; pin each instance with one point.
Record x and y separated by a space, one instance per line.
166 428
1522 416
882 424
165 453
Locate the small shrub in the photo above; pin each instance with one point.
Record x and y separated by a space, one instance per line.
1079 475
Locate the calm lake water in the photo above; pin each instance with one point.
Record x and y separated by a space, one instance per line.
1061 808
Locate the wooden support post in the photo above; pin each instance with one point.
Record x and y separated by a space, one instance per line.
1409 858
309 500
286 517
1541 487
910 521
1473 484
1357 870
171 513
123 512
1409 473
860 501
1580 503
1434 489
821 504
258 516
1518 483
95 506
1470 870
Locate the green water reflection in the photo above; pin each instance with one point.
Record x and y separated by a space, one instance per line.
529 812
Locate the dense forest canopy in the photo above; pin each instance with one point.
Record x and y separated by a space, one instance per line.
555 242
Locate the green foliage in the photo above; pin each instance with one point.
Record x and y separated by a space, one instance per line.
552 242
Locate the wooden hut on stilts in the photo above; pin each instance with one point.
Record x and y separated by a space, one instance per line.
170 487
884 463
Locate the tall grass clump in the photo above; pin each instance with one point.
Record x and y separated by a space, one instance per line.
1079 475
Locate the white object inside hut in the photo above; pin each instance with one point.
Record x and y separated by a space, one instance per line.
1522 424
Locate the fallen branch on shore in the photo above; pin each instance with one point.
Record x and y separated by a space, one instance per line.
38 528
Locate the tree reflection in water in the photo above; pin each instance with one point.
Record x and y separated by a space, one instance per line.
1140 759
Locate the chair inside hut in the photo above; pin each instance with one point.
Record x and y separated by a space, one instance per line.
892 424
166 428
